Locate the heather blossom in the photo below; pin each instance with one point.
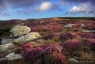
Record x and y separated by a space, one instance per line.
91 43
59 59
72 44
39 52
66 35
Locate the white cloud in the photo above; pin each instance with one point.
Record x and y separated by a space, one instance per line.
86 8
45 6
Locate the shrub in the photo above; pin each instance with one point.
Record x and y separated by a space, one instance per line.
59 59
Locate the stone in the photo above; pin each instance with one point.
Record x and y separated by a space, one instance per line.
13 56
82 25
73 60
86 30
7 47
5 41
68 25
20 30
27 37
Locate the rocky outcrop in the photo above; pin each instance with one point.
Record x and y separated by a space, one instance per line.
6 47
19 30
5 41
27 37
19 35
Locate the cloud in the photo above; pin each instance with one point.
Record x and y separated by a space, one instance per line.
45 6
77 1
86 8
23 3
81 6
19 3
2 5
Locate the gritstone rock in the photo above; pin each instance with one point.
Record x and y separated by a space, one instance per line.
19 30
6 47
27 37
5 41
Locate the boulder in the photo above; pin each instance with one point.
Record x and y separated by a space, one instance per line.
73 60
69 25
13 56
20 30
5 41
86 30
27 37
7 47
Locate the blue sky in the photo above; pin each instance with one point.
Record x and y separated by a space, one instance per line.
25 9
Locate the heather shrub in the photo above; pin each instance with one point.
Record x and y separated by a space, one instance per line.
86 35
40 52
65 36
59 59
72 45
91 43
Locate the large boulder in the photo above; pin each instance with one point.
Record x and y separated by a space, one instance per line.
6 47
20 30
27 37
5 41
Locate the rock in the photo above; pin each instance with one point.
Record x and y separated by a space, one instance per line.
6 47
19 30
13 56
41 40
68 25
85 30
5 41
27 37
73 60
82 25
2 59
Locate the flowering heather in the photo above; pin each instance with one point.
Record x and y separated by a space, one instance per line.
72 44
59 59
91 43
66 35
37 53
86 35
52 26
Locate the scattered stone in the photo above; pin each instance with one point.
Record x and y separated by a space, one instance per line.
27 37
85 30
5 41
82 25
6 47
13 56
68 25
73 60
19 30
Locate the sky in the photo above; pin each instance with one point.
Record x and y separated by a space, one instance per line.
28 9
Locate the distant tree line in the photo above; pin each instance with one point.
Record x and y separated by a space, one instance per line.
75 18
